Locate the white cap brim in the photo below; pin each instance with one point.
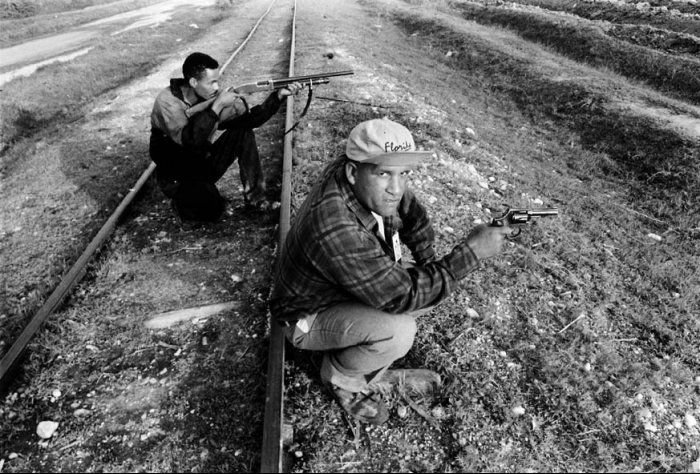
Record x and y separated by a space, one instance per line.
407 158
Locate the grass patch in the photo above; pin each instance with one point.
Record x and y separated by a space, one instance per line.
627 13
590 44
626 146
584 324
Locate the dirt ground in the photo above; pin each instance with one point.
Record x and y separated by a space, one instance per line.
576 350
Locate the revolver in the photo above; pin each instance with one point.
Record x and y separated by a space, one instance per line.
520 216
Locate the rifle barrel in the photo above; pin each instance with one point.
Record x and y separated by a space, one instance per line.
273 84
288 80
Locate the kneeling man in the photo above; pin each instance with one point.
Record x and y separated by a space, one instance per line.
341 287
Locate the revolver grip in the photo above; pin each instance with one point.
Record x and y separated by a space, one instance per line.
499 221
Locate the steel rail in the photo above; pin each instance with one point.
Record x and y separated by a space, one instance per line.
12 357
271 456
76 272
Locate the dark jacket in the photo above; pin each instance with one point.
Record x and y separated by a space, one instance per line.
181 133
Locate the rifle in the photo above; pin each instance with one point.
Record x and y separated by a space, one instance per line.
274 84
521 216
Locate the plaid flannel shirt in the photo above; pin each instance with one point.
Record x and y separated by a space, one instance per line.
333 253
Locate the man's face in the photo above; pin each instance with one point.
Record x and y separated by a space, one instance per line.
206 86
378 187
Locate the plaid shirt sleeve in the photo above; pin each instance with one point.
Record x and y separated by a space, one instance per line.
416 231
333 254
361 267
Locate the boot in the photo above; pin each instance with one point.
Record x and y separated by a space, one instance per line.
365 407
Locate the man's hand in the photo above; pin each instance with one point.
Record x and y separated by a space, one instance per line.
291 89
487 241
226 98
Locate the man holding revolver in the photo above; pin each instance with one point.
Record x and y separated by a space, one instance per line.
189 162
341 286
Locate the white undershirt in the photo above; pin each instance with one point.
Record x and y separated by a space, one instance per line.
395 242
380 221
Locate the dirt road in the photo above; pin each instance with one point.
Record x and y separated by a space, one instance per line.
25 58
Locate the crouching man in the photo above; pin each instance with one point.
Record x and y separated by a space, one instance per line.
184 119
340 286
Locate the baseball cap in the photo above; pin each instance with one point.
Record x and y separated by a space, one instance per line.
382 141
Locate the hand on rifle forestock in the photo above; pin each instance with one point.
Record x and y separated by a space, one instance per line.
520 217
289 89
225 98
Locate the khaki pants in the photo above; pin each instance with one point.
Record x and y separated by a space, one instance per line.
360 342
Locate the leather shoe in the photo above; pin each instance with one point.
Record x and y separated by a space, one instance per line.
365 407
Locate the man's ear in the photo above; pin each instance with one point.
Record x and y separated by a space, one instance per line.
192 82
351 172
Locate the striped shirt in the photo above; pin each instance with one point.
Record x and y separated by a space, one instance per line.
334 253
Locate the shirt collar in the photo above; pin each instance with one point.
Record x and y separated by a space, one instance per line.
380 224
361 212
182 90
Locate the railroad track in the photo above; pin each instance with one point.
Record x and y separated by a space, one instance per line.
280 15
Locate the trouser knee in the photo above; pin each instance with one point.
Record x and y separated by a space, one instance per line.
404 335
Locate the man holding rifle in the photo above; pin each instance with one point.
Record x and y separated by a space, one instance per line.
184 119
341 286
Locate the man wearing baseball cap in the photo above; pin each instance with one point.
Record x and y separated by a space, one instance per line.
341 286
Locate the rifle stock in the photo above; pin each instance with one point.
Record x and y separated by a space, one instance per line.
279 83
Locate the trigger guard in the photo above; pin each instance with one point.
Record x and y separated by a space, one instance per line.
515 234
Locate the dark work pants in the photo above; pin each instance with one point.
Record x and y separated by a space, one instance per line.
193 187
